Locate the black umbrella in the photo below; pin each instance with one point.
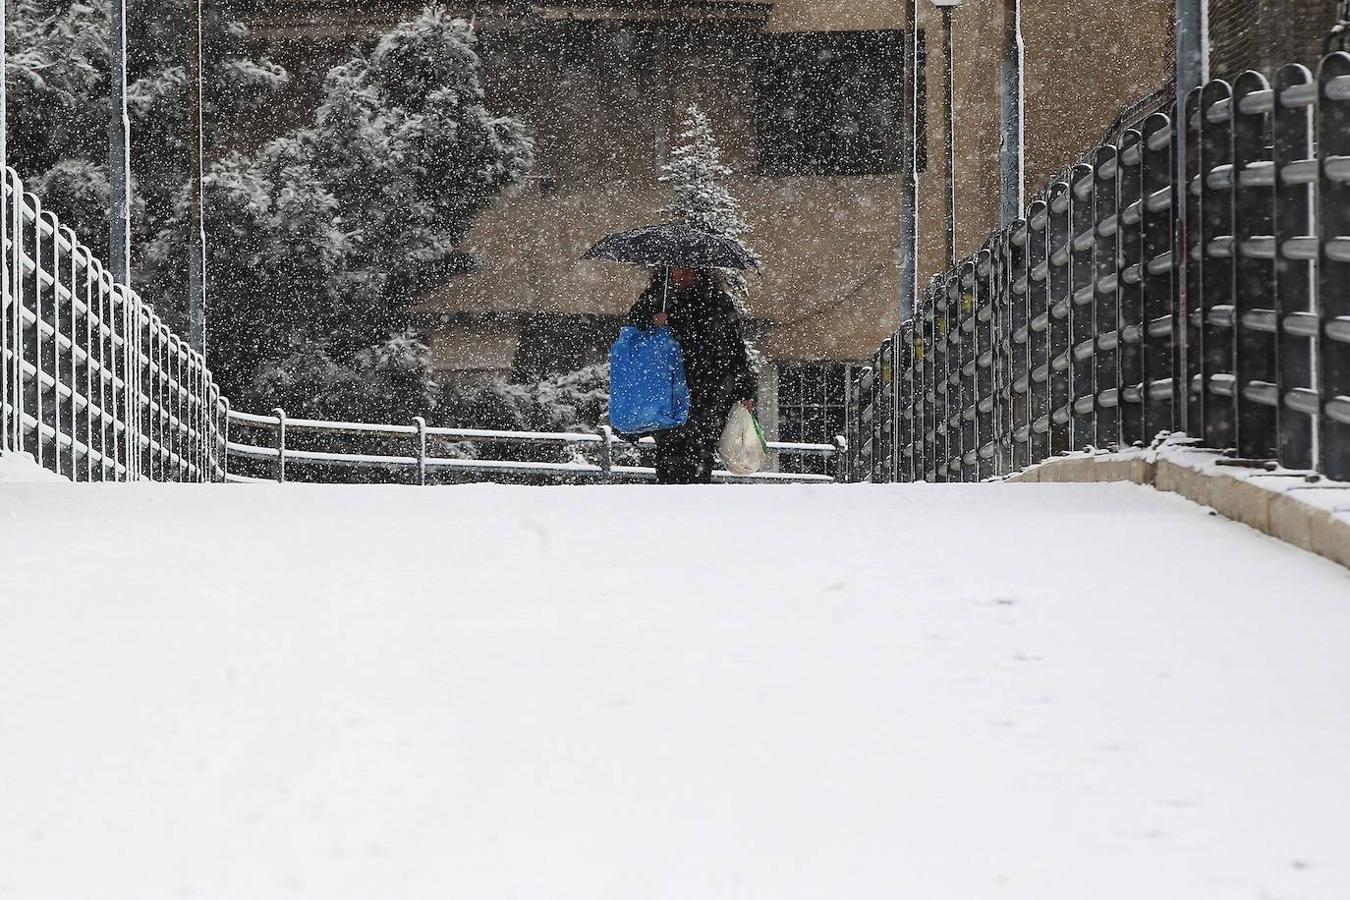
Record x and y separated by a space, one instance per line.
673 245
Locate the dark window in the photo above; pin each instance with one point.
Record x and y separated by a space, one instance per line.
811 410
830 103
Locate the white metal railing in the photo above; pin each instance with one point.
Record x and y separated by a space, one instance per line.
92 383
423 464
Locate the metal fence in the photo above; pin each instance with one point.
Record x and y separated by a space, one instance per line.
410 453
92 383
1082 325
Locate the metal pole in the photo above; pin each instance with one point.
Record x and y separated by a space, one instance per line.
119 154
950 128
5 296
197 262
1192 70
1014 104
909 199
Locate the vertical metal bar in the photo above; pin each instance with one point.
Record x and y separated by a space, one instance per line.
1161 319
959 391
421 424
35 355
1188 190
1254 361
281 444
1020 362
1038 330
1294 278
1131 353
931 417
1059 246
1106 305
1333 275
17 290
942 351
1082 309
1217 345
224 418
905 403
984 443
6 298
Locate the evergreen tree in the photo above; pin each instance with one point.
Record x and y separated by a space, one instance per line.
699 198
322 240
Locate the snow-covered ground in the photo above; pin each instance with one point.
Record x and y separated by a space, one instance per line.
1042 692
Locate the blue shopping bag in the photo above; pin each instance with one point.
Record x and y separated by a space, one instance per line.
647 390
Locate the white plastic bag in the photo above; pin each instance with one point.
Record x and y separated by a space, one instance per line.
742 449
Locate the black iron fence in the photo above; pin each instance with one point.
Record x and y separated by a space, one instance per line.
1083 326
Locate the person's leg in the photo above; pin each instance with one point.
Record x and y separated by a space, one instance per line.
708 431
674 457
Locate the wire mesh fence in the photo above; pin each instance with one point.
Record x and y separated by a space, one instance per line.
92 383
1124 304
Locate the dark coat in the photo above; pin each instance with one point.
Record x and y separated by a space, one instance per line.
716 359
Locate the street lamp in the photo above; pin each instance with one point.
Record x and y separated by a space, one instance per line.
119 154
947 7
197 233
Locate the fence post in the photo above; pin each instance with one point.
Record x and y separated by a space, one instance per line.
1218 392
1162 316
224 438
1333 298
281 444
606 454
1082 308
1059 246
1293 277
1254 314
421 424
841 467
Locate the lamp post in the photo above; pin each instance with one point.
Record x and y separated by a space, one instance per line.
949 129
119 154
1013 176
197 230
909 200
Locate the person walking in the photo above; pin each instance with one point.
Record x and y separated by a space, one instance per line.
698 309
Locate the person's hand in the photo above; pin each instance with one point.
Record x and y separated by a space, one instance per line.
660 319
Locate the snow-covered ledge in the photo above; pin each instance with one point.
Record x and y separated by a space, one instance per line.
1303 509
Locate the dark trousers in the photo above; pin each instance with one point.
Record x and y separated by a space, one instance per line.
684 455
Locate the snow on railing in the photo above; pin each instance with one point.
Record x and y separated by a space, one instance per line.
92 383
423 464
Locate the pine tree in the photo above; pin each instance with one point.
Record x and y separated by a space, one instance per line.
699 197
322 240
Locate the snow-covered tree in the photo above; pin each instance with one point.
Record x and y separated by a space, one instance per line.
58 77
323 239
699 195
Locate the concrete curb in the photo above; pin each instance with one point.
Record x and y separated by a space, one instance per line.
1314 516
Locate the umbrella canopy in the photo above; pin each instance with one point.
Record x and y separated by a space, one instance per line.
673 245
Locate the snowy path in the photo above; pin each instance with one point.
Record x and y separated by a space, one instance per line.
1041 692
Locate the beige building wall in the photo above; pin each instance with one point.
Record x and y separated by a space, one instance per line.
1083 65
605 116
